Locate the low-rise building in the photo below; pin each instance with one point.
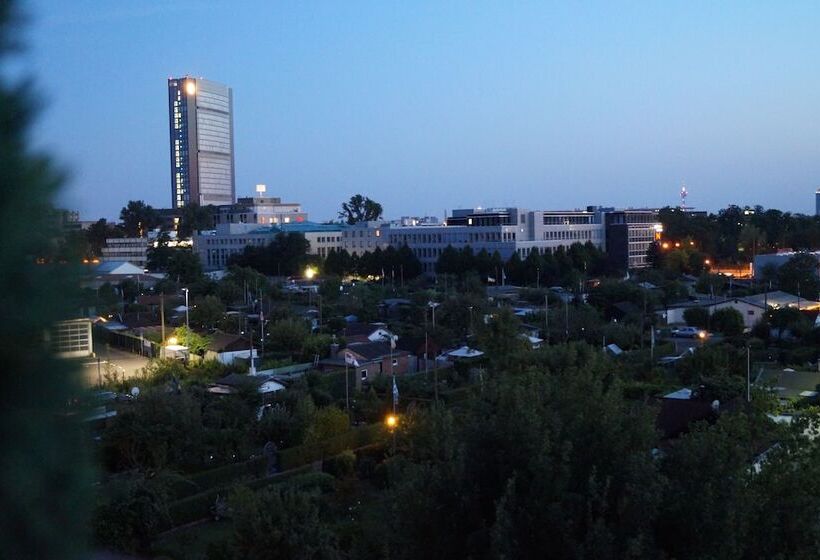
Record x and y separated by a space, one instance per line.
262 210
214 248
372 359
126 249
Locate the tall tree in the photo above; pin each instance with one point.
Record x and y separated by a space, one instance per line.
360 209
138 218
44 480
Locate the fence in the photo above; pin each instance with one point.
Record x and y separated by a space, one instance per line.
127 342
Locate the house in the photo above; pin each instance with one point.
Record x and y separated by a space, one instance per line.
375 358
752 308
114 272
680 409
419 348
225 348
366 332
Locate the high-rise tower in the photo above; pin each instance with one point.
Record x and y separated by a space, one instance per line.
201 126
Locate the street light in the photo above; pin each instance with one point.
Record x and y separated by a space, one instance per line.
310 272
187 321
392 421
432 305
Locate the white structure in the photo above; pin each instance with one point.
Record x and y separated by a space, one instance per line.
260 210
72 338
126 249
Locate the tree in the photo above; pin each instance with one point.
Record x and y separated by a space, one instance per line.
184 267
360 209
195 218
728 321
196 343
98 232
327 422
696 317
45 478
207 313
138 218
279 522
288 335
799 276
160 430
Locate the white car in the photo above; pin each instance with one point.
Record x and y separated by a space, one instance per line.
689 332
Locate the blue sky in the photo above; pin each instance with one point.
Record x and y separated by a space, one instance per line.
440 105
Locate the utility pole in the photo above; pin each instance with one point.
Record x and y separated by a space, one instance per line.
162 315
547 317
748 374
253 367
566 319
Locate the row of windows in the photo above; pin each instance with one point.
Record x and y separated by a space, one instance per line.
577 235
567 220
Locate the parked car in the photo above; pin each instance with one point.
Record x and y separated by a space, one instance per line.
689 332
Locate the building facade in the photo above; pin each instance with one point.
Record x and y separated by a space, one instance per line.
629 235
214 248
260 210
126 249
201 134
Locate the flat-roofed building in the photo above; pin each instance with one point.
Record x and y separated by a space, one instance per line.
214 248
126 249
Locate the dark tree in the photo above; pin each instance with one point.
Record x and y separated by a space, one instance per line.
360 209
138 218
799 276
195 218
99 232
44 478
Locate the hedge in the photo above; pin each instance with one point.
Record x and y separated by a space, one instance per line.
308 453
293 461
196 507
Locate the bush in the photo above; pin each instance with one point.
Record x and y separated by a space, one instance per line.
696 317
728 321
340 466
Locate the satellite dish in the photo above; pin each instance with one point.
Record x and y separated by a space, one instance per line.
135 392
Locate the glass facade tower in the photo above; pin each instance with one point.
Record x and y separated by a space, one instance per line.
201 133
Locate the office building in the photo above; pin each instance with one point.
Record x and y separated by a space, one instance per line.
629 235
817 202
201 133
126 249
260 210
214 248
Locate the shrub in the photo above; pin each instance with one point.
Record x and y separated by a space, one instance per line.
342 465
696 317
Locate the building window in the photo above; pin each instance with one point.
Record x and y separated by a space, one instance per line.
364 375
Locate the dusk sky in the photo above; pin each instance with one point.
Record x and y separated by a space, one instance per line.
441 105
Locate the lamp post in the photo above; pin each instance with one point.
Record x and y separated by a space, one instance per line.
432 305
187 321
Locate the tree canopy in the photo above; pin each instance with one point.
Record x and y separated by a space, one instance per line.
360 209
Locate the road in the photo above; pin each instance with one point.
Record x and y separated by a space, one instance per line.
112 361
